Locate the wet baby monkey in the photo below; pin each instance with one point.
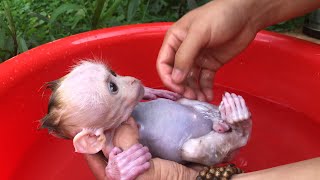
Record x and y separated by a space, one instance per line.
90 102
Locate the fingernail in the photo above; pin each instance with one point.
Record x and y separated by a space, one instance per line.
177 75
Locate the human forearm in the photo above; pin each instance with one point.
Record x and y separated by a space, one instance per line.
164 169
97 164
127 135
308 169
264 13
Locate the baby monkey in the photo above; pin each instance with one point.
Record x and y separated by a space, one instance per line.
90 102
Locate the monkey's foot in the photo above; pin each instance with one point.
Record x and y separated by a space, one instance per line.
233 108
151 94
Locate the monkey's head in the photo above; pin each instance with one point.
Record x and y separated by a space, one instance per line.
89 103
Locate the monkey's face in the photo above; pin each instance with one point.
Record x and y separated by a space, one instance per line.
94 96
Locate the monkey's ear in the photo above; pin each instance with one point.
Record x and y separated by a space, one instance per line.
89 141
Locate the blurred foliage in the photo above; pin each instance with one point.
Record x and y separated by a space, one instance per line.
286 26
25 24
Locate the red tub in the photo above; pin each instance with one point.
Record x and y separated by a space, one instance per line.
278 76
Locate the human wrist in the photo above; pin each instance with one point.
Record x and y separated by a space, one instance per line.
256 14
264 13
219 172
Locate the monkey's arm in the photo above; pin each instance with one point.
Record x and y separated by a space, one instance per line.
151 94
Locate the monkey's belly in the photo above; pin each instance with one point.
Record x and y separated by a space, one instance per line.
165 125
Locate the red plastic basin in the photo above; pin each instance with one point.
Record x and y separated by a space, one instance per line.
278 76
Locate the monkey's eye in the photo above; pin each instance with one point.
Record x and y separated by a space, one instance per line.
113 88
113 73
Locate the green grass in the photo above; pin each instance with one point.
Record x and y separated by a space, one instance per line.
25 24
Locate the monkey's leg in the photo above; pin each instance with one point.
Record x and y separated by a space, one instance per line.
204 150
208 111
231 109
215 147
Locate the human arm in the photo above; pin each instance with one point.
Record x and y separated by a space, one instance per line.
307 169
206 38
126 163
127 135
97 164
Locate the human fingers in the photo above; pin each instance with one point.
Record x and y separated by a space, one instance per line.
165 60
206 83
209 65
192 89
187 53
189 93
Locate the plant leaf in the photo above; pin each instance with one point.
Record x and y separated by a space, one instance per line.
62 9
78 16
132 9
8 14
112 9
97 13
22 45
39 16
2 38
192 4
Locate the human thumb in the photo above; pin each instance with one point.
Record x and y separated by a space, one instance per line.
186 55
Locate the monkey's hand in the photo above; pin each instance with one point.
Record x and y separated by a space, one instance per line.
151 94
128 164
233 108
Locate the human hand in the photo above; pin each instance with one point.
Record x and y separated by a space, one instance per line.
128 164
197 45
125 137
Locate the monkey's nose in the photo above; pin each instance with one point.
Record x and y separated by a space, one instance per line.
132 80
